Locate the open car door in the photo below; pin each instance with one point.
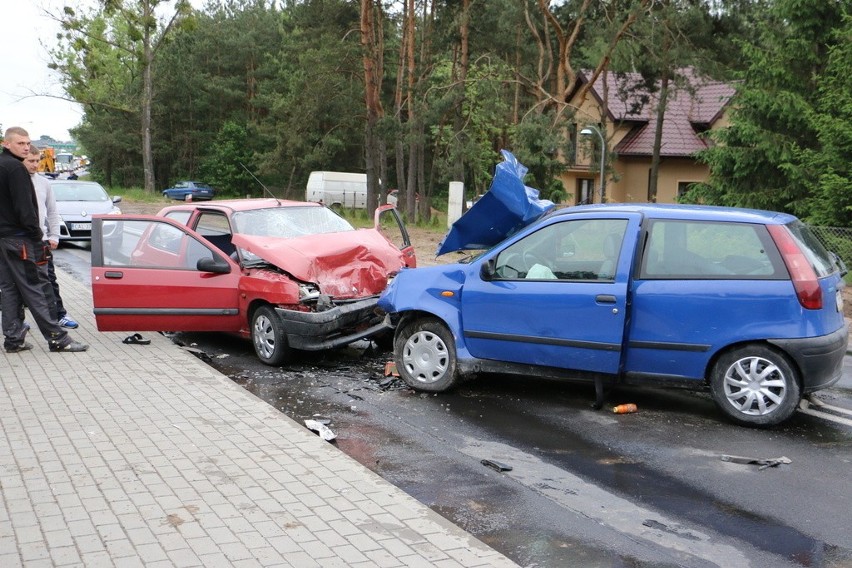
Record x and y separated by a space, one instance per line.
153 274
390 224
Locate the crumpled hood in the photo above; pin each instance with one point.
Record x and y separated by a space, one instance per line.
507 207
353 264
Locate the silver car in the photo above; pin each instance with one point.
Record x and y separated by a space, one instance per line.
77 201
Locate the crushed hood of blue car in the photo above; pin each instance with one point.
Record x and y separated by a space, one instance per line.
507 207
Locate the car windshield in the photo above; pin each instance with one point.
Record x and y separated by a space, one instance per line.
289 222
84 191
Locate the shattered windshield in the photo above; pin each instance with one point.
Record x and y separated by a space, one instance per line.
289 222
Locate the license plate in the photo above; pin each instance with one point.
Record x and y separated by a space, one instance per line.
81 226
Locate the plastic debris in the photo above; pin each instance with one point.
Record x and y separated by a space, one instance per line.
495 465
762 462
322 419
321 429
625 408
390 369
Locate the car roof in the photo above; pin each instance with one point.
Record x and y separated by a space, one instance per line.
689 212
240 204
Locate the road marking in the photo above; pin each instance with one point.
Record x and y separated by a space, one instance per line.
822 410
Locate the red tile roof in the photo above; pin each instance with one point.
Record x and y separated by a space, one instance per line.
689 111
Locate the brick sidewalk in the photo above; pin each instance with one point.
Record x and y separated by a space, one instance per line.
131 455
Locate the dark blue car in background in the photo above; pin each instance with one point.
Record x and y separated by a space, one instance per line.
746 303
196 189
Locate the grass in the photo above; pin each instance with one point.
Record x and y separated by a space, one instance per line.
360 219
136 195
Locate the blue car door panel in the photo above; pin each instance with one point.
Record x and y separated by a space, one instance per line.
557 297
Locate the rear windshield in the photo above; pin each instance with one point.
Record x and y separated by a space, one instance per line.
821 260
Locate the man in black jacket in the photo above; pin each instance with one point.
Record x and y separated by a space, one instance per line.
22 253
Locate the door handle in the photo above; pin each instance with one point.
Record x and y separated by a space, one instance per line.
113 274
605 299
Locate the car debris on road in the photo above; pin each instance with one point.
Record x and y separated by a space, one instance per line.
762 462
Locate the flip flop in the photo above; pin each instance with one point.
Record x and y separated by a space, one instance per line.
136 339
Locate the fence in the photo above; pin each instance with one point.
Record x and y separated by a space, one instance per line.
837 240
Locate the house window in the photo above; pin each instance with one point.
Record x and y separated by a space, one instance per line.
683 187
585 191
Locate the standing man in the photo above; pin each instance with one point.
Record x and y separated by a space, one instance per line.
49 221
22 253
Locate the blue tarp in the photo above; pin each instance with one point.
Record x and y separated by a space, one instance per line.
507 207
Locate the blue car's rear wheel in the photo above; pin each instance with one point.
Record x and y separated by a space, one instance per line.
755 385
268 337
425 355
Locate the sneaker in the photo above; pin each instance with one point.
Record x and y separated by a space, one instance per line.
65 321
71 347
18 348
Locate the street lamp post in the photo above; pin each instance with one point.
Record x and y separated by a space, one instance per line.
587 131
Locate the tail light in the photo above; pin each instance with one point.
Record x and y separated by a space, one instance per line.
801 272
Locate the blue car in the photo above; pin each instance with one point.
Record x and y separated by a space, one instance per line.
744 303
196 189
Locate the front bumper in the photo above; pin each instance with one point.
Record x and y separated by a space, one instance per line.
820 359
341 325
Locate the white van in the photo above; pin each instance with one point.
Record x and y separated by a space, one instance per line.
341 189
338 189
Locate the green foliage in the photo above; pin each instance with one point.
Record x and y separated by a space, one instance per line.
228 164
538 146
279 87
785 148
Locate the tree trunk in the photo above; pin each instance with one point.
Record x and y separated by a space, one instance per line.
372 101
147 101
461 79
658 137
411 183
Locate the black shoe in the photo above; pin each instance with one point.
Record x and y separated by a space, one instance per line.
71 347
22 346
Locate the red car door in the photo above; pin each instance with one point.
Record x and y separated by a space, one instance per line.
152 274
388 222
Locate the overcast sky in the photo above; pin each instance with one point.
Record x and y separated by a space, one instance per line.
24 76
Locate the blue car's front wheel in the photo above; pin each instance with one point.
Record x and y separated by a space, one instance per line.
426 355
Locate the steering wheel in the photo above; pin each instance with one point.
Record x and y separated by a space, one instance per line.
531 259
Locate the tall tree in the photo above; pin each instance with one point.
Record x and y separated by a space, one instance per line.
373 47
145 34
783 111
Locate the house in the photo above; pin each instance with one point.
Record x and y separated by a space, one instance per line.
629 112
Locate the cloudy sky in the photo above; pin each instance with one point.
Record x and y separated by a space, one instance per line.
24 76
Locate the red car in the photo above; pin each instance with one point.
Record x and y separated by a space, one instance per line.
287 274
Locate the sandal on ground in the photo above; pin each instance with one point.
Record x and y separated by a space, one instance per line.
136 339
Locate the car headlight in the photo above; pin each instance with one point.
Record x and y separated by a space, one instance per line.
308 292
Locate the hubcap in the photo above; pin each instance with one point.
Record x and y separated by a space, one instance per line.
425 357
264 336
755 386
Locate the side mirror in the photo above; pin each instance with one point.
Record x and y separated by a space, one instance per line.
215 265
116 198
488 269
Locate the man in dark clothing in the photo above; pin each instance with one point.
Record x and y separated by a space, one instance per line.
22 253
